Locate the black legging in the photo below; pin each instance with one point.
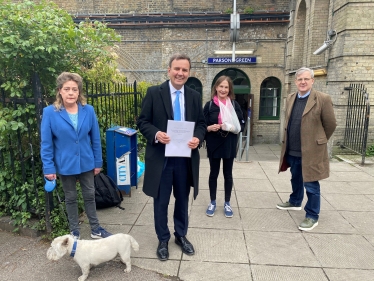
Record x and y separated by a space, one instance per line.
227 174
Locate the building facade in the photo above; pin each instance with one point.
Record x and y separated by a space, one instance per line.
276 36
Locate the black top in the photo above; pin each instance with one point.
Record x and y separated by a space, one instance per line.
221 144
294 127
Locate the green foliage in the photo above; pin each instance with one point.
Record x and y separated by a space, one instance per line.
370 150
105 70
43 38
142 141
40 38
249 10
229 11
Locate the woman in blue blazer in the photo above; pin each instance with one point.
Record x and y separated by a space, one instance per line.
71 148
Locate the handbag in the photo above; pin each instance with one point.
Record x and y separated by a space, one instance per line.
230 121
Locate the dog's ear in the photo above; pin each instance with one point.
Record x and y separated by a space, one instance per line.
65 242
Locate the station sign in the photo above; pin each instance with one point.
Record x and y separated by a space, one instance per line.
228 60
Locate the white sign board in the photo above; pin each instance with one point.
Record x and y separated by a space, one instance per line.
123 169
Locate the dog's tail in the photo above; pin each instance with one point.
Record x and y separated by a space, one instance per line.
134 244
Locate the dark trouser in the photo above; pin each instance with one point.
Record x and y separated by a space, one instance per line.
174 178
86 181
313 206
227 174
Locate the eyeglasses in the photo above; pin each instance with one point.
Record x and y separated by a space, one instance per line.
303 79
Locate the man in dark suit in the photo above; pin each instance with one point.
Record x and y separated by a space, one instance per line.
166 174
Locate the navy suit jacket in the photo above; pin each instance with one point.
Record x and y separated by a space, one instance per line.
156 111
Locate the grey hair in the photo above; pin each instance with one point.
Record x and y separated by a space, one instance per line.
302 70
179 57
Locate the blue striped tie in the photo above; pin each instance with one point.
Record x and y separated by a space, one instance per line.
177 107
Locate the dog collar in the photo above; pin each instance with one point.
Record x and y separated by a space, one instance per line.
74 248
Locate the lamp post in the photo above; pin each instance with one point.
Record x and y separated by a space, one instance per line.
234 29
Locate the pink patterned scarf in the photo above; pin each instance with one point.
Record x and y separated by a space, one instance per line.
215 99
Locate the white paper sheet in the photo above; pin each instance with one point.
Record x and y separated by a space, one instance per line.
180 133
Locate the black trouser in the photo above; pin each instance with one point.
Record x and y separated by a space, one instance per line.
227 174
174 179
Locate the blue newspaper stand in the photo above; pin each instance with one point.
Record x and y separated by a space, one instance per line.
122 156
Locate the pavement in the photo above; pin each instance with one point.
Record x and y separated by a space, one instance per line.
260 242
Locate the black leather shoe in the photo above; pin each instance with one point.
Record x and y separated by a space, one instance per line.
186 245
162 251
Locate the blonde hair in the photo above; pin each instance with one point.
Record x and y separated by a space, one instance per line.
61 80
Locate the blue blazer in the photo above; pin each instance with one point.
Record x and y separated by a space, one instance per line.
66 151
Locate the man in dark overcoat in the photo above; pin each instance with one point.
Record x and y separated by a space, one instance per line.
309 124
164 175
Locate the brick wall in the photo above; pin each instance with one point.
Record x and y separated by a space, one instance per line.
157 6
280 49
349 60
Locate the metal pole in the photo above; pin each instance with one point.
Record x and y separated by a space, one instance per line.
247 138
239 155
366 128
233 43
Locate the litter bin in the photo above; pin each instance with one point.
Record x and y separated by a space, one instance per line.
122 155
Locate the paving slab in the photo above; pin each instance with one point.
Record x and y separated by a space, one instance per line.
349 274
118 216
246 174
260 243
253 185
260 200
267 220
361 221
350 202
342 251
279 248
338 187
166 268
289 273
215 245
359 176
363 187
200 271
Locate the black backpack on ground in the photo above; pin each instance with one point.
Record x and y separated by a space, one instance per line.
106 192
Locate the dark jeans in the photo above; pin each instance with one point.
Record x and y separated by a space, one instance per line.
86 181
313 205
227 174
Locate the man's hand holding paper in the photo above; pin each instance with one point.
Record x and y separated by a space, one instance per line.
181 139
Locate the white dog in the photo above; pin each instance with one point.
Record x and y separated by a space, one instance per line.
93 252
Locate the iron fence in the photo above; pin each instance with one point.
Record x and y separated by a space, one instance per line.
21 172
357 120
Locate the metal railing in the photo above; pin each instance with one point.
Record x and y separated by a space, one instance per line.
243 142
357 120
115 104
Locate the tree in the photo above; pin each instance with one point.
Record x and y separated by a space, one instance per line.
44 39
38 38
